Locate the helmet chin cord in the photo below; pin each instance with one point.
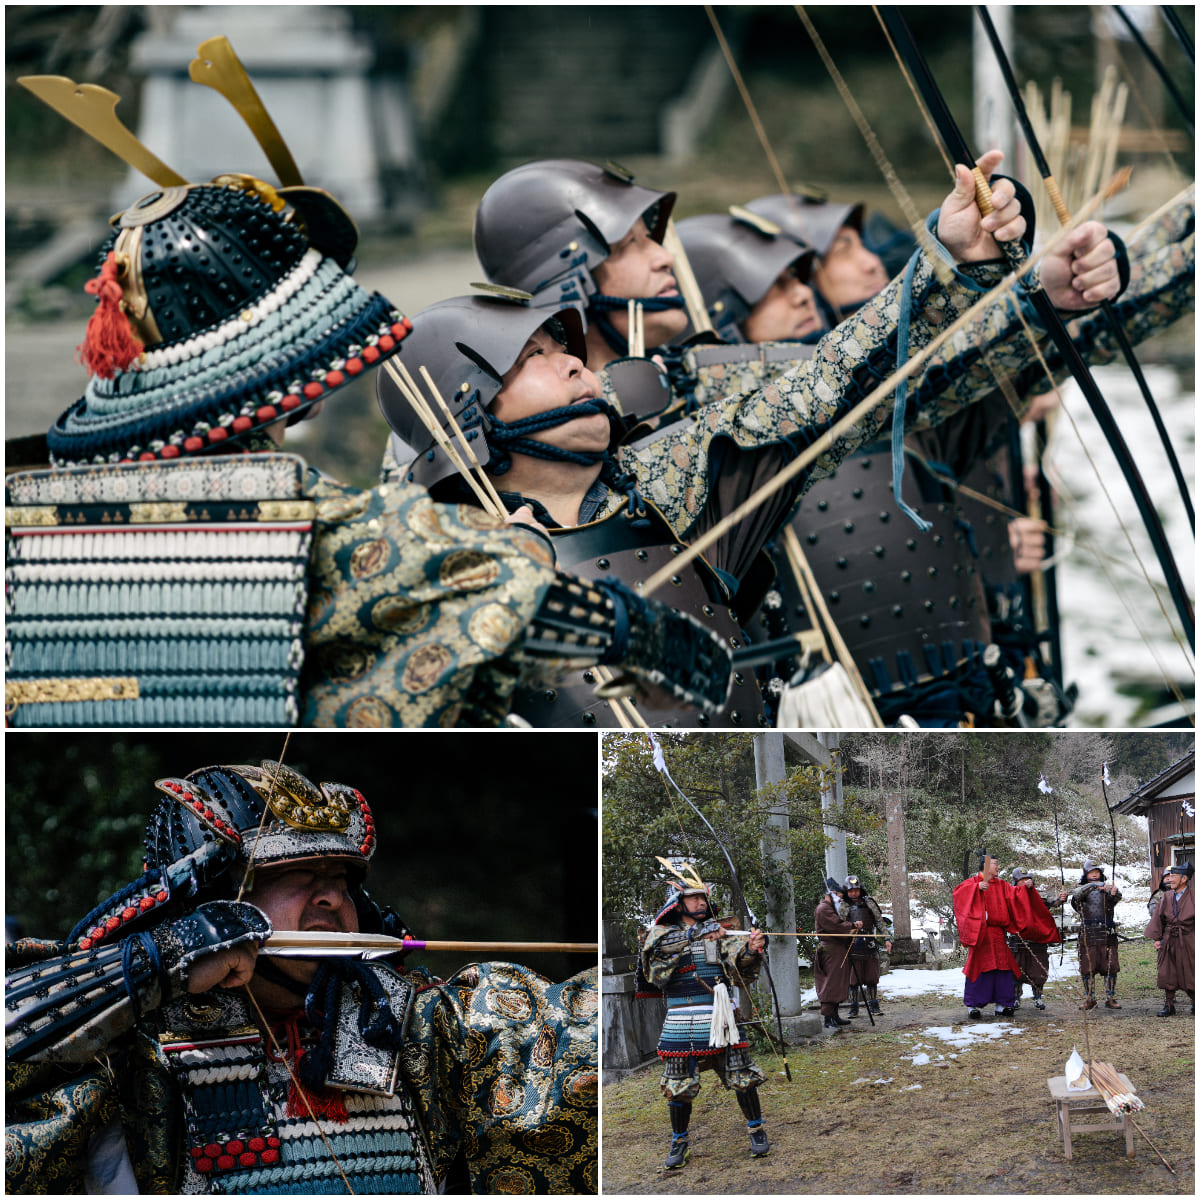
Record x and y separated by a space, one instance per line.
600 305
505 438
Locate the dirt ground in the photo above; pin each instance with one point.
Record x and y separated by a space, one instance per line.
981 1123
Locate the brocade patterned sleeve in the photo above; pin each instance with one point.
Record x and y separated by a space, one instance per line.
409 602
795 408
506 1065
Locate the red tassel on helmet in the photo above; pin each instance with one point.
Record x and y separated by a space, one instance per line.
108 345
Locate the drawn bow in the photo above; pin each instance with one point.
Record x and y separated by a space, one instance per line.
739 894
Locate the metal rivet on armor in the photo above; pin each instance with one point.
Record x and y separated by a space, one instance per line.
464 387
676 581
702 718
866 462
910 544
373 524
868 587
589 677
878 551
906 577
762 720
719 306
931 572
858 493
864 620
941 508
549 695
676 549
842 564
849 527
734 644
642 555
573 246
834 597
738 677
811 539
885 516
822 505
953 601
589 718
735 717
938 540
929 606
602 563
707 610
897 610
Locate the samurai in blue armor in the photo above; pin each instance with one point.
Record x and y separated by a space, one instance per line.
156 1050
695 963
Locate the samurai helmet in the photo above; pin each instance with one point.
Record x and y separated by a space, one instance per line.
852 881
546 226
736 257
467 345
1090 865
1018 875
223 307
211 826
686 883
268 814
808 218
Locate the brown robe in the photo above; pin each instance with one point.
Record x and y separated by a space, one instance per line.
831 967
1177 932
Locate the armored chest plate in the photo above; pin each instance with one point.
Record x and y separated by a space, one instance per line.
909 604
157 594
632 551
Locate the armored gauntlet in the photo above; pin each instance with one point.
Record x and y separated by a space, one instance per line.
68 1007
605 622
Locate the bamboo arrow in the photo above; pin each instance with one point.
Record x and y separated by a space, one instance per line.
323 943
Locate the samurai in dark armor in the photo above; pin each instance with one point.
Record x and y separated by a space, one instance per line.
1032 954
157 1050
689 957
1096 901
864 951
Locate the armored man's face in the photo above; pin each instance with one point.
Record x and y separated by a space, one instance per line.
305 896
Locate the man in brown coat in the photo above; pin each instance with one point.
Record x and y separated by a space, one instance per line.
831 967
1173 930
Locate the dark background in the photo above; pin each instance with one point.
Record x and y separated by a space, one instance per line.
481 836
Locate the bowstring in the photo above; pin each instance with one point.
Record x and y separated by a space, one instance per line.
263 820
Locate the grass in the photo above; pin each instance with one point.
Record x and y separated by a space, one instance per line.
980 1123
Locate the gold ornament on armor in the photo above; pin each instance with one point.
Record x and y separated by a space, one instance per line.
294 800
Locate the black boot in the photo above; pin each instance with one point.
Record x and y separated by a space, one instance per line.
751 1107
835 1022
853 1007
1038 1002
681 1115
873 1000
1167 1010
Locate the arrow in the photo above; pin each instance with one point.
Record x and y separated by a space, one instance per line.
323 943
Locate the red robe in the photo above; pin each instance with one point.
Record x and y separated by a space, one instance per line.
983 918
1035 922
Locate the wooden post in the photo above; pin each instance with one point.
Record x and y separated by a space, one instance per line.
904 949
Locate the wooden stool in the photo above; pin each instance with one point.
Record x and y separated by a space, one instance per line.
1087 1103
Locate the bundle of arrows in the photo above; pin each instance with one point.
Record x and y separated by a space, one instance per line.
1108 1083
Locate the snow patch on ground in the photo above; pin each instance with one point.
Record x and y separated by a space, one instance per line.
964 1036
